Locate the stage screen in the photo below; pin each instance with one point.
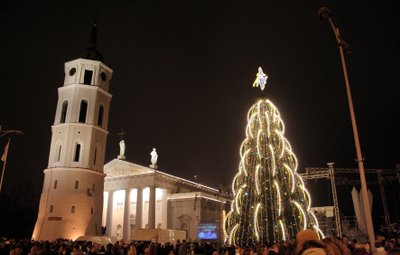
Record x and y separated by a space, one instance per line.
207 231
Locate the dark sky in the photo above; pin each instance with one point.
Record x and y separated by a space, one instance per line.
182 80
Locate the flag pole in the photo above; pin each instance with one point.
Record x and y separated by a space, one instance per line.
4 159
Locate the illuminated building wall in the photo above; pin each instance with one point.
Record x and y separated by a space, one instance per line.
176 204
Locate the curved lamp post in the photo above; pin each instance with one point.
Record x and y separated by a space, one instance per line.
325 14
5 153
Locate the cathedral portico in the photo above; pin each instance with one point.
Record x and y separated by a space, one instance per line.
152 199
130 209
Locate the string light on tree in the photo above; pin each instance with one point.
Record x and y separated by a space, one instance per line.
271 203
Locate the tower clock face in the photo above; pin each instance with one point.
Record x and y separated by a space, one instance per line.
103 76
72 71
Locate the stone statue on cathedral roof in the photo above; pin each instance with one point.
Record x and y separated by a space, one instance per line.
122 148
154 157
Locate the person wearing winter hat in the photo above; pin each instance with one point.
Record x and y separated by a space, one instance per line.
308 243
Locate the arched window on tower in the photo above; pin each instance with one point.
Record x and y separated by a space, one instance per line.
88 192
59 153
87 78
95 156
100 118
77 152
64 111
83 111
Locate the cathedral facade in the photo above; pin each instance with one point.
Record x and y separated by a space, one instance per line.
138 197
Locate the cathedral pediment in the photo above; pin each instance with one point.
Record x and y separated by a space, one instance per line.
118 167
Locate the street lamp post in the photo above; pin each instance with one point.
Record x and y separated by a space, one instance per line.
326 14
5 153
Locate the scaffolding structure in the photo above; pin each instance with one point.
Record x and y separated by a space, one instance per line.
341 222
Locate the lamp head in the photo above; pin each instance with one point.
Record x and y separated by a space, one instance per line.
324 13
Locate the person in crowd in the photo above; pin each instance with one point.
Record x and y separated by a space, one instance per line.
132 250
282 248
346 241
177 245
34 250
16 250
395 251
273 250
109 249
182 250
46 249
335 246
208 248
231 250
390 244
307 243
262 250
77 251
290 248
247 251
379 249
89 249
359 248
353 245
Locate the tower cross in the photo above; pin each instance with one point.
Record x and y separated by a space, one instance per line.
121 134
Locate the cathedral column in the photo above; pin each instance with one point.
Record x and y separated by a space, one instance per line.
139 208
152 208
126 235
110 210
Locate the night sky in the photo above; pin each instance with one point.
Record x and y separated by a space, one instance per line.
182 80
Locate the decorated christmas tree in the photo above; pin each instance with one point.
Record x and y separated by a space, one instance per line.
271 203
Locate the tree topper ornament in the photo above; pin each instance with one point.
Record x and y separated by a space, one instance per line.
261 79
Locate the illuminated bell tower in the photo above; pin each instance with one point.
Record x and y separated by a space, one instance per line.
71 202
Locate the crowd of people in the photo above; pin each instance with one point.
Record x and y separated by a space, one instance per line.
306 243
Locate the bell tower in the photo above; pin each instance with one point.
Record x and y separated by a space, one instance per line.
71 202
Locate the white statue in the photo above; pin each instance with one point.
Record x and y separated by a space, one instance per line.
261 79
154 157
122 149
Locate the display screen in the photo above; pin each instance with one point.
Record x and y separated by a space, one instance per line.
207 231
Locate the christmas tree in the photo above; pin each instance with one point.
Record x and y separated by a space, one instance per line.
271 203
